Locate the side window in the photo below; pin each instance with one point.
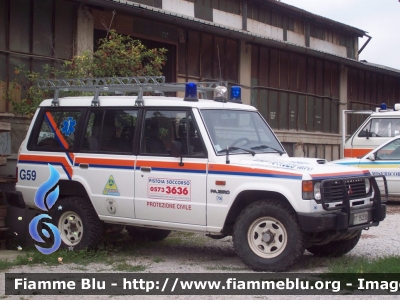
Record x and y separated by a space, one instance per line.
57 130
110 131
390 151
162 128
381 128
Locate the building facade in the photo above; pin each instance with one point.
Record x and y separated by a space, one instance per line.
299 69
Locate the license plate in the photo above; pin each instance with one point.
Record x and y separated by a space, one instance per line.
360 218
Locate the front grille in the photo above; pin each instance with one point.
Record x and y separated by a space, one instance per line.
333 190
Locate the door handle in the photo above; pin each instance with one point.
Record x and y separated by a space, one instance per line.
145 169
84 166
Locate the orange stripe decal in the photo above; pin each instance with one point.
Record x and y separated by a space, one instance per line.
55 129
105 161
356 152
42 159
229 168
171 165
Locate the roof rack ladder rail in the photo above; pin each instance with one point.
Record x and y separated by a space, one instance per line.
152 84
95 101
55 101
139 99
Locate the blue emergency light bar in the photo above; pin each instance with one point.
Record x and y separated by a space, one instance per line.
219 93
236 94
191 92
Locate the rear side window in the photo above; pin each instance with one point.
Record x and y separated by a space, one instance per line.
110 130
57 130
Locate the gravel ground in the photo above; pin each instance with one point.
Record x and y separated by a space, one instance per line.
192 253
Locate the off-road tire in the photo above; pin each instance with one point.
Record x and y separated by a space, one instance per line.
87 229
335 248
287 245
147 234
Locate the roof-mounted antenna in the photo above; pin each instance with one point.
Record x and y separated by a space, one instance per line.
221 98
219 65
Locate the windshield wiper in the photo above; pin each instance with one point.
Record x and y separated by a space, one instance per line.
237 148
265 147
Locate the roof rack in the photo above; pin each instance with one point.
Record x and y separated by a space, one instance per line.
142 84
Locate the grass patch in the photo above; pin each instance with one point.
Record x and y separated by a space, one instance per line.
32 256
184 234
79 268
359 265
6 264
114 248
158 259
129 268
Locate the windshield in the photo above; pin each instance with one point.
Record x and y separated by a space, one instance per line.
239 131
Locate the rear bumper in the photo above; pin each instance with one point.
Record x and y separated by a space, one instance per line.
15 198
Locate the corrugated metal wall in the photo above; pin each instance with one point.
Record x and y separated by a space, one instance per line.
295 92
366 91
203 56
33 33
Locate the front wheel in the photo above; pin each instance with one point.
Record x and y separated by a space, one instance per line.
267 236
78 223
335 248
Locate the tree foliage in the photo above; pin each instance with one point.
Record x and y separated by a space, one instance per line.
116 56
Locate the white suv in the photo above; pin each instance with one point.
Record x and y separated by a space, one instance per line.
156 164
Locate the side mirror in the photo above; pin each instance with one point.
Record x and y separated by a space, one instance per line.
372 156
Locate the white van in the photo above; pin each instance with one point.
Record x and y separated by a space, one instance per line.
380 127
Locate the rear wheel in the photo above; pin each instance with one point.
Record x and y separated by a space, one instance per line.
267 236
335 248
78 223
147 234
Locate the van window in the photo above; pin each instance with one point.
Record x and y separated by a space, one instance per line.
381 127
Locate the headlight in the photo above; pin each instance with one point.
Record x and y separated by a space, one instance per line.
367 185
317 191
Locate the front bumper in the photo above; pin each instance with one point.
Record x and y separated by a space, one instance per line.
344 216
339 221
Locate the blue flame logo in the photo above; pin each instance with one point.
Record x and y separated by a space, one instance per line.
41 201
